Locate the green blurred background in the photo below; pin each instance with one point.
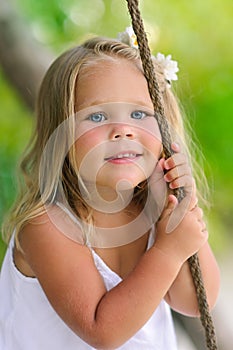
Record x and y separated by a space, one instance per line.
198 34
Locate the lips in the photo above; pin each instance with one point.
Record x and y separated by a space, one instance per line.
130 155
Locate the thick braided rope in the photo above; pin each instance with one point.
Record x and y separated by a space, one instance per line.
156 98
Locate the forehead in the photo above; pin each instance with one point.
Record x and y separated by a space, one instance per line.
113 80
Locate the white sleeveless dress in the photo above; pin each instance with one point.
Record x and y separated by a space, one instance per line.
28 321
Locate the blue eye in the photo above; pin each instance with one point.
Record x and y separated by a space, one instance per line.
97 117
138 115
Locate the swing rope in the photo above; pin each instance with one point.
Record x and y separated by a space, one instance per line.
153 87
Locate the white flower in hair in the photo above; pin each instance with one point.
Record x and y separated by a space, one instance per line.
128 37
170 67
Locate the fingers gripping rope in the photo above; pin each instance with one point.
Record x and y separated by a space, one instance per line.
156 99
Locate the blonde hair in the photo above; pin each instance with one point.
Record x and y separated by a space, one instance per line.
55 104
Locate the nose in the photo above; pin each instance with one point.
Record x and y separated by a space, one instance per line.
121 131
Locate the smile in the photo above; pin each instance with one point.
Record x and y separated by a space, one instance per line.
123 156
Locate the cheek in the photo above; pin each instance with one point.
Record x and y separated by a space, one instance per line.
155 147
151 135
86 144
152 143
90 152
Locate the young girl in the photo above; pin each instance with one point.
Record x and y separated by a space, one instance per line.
98 247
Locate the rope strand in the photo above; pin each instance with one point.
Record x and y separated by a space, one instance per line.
156 99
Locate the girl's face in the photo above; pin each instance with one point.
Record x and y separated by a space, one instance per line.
118 142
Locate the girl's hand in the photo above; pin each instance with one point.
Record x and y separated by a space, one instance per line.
178 174
181 230
184 238
178 170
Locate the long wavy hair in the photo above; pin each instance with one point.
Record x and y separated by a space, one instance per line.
55 105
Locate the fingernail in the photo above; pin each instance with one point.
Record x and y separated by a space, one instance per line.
166 165
175 145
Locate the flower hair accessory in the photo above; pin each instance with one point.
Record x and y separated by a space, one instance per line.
170 67
128 37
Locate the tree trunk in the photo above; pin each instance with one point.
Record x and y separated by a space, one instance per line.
22 58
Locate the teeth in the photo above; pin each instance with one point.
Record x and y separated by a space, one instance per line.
126 155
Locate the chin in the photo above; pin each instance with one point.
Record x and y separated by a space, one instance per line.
124 184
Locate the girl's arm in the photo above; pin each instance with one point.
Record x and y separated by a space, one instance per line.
182 295
76 291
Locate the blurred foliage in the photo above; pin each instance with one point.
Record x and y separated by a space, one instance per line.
198 34
15 127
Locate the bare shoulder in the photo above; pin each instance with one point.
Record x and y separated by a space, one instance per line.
65 270
47 234
50 233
